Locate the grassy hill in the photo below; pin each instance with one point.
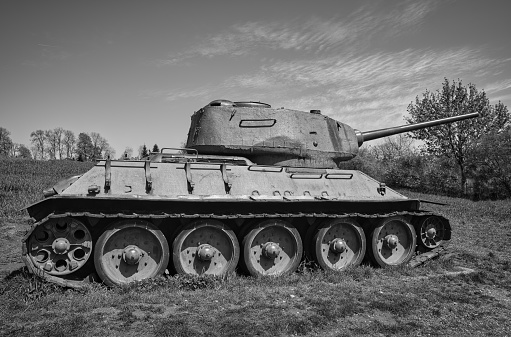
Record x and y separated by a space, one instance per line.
436 299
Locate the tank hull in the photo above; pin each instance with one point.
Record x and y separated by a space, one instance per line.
108 221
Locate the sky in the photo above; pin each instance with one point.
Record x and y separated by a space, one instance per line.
135 71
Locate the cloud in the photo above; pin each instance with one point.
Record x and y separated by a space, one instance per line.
179 93
498 86
378 86
333 64
315 35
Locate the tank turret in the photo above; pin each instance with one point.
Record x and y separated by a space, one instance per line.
269 136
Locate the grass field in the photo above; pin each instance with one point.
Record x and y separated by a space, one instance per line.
431 300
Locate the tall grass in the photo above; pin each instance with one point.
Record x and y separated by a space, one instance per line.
22 181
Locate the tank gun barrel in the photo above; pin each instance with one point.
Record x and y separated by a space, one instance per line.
375 134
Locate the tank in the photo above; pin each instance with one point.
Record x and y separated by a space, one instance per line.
257 189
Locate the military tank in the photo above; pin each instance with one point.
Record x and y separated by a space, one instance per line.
256 188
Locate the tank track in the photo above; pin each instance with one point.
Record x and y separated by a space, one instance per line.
417 260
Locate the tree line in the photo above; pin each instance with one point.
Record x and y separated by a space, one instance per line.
63 144
470 157
57 144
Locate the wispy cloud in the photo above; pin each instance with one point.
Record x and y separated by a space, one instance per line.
179 93
333 64
379 85
314 35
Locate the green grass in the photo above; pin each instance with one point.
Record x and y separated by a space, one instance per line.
362 301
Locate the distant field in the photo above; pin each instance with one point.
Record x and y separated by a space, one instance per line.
362 301
22 181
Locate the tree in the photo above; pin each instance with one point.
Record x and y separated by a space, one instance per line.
456 140
84 147
24 152
69 142
5 142
156 148
53 143
109 153
491 165
99 145
142 152
393 148
58 133
38 140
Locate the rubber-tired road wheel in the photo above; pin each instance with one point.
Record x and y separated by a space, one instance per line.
205 247
272 247
393 242
130 250
339 243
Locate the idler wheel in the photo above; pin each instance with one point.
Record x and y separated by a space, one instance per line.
339 243
205 247
130 250
433 231
393 242
272 247
59 246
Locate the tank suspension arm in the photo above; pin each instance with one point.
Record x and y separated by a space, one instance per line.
375 134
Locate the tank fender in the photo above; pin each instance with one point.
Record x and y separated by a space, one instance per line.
60 186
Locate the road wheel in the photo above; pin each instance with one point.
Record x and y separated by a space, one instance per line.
339 243
130 250
392 242
272 247
205 247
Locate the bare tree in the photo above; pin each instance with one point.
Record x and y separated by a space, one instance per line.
393 147
58 133
51 139
69 143
38 140
109 153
